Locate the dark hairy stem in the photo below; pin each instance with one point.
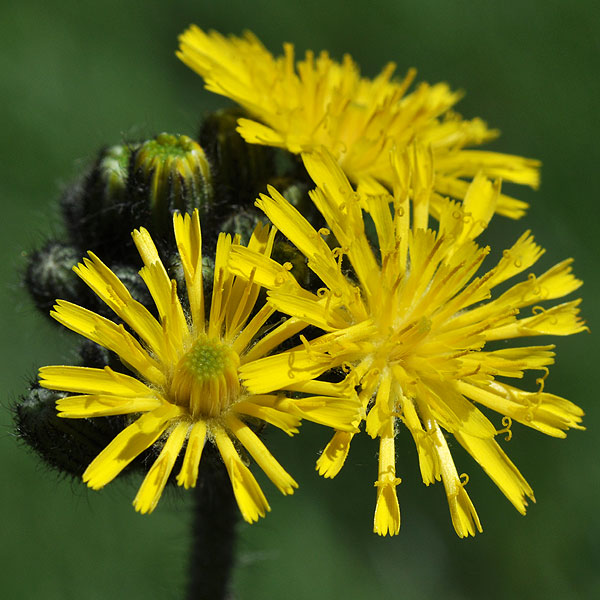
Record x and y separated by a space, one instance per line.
215 516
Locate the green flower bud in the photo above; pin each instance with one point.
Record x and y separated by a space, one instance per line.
49 275
113 169
172 173
243 222
98 210
68 445
242 170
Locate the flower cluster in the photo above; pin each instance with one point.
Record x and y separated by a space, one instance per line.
395 324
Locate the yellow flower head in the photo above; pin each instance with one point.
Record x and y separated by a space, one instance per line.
185 389
320 102
412 324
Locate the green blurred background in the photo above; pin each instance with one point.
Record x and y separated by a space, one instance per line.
78 75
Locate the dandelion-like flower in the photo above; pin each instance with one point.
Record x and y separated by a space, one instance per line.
320 102
184 387
412 324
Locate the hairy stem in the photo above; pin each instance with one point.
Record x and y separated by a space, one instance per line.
213 533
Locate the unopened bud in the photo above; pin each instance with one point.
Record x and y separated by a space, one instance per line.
172 173
49 275
98 211
68 445
242 170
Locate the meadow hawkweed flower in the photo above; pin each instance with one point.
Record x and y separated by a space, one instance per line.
184 387
301 106
411 323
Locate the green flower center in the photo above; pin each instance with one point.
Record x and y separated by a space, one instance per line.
206 379
166 146
208 359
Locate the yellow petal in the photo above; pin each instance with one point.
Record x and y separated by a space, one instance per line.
275 372
129 444
479 206
188 236
154 483
554 283
511 362
244 292
249 496
302 234
164 294
267 272
379 209
453 411
275 410
109 288
265 460
310 309
111 336
523 254
242 341
193 453
562 319
334 455
257 133
387 510
545 412
161 288
85 380
508 167
499 467
381 412
78 407
463 514
341 413
222 285
457 188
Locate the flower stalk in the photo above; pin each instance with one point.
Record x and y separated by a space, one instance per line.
213 530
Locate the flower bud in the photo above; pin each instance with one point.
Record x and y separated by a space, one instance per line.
67 445
98 210
49 275
242 170
171 172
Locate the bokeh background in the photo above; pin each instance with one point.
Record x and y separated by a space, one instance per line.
77 76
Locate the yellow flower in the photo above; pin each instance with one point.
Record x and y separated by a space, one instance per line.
413 325
186 389
319 102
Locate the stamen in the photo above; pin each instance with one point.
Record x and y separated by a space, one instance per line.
541 380
338 254
507 423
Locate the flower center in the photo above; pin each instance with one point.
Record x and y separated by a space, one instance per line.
404 341
205 379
